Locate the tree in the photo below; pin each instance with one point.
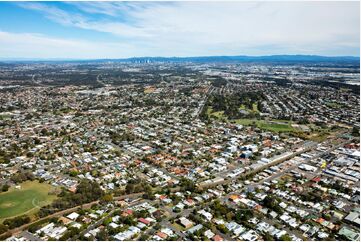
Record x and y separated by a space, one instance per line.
36 141
143 237
73 173
355 131
71 232
326 216
17 221
267 237
148 192
87 191
187 185
220 209
22 176
177 210
3 228
44 132
5 188
107 198
229 216
134 186
243 215
102 235
107 221
272 203
285 237
222 228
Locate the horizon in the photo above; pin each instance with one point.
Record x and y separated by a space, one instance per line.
123 30
179 57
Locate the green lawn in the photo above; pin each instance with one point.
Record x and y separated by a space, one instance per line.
178 226
267 125
27 200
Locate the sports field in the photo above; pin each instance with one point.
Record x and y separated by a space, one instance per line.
27 200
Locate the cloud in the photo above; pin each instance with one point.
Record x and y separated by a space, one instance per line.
217 28
55 14
115 9
32 45
75 19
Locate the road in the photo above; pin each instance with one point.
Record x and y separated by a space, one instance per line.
274 161
307 160
209 92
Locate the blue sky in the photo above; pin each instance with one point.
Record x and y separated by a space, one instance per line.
127 29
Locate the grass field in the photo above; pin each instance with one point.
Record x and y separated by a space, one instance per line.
27 200
267 125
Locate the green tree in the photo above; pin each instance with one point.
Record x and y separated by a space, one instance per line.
102 235
355 131
17 221
285 237
3 228
5 188
107 198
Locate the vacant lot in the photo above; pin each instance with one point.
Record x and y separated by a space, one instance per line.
28 199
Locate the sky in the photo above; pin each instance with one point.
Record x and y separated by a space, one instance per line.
90 30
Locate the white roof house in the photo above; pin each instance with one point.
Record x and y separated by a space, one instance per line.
73 216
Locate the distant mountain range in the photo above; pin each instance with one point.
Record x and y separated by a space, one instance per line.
271 58
210 59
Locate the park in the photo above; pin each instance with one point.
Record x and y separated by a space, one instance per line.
27 198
